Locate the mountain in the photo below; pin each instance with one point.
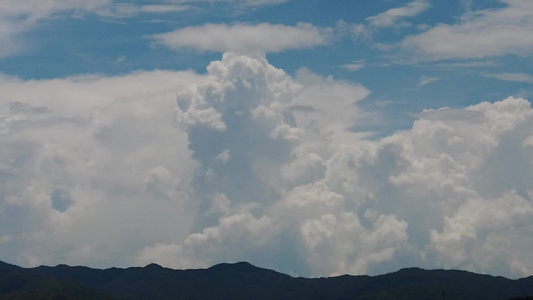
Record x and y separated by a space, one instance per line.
245 281
18 283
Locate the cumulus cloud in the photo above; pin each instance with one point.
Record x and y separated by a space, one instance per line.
393 15
244 37
324 200
495 229
479 34
265 167
82 158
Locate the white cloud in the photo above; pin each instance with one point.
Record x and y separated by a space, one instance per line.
18 16
356 31
391 16
244 37
516 77
479 34
277 176
470 64
108 149
326 109
127 10
331 202
33 10
259 2
159 8
427 80
119 10
252 2
249 3
355 66
495 229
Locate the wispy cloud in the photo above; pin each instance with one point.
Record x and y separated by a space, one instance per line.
239 2
468 64
393 15
17 17
244 37
516 77
255 2
126 10
236 3
355 66
427 80
164 8
480 34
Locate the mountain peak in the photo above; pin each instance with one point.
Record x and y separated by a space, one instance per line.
153 266
240 264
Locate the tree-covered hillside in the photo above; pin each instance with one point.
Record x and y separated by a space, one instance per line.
245 281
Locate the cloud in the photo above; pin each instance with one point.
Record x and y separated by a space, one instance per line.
262 2
480 34
17 17
282 173
126 10
356 31
84 156
155 8
260 166
355 66
252 2
259 123
33 10
391 16
490 228
243 37
427 80
119 10
516 77
470 64
248 3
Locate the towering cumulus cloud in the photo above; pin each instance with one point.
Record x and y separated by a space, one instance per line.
284 183
264 167
263 140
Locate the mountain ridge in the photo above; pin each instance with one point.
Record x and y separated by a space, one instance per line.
243 280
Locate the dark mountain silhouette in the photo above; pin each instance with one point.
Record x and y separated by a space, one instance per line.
245 281
18 283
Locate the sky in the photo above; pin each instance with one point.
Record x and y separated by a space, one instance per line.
312 137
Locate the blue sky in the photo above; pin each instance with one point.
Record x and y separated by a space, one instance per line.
115 40
328 137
